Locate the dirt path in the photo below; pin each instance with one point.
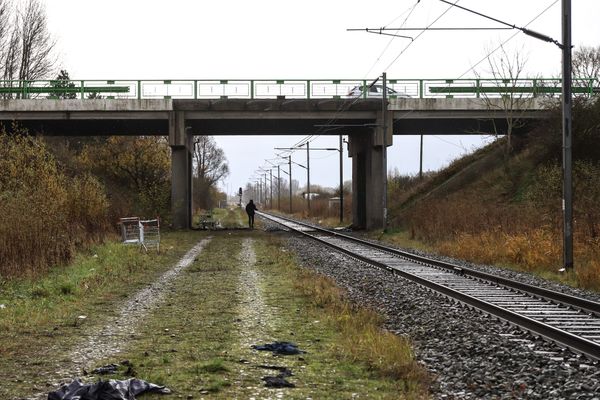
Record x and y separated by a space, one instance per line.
255 316
114 335
193 330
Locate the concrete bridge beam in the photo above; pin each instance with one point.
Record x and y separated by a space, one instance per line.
181 143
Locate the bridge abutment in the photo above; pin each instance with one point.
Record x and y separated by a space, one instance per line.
181 143
369 174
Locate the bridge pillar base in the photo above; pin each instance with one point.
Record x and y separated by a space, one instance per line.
181 171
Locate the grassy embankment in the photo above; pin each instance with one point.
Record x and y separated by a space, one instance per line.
198 339
492 208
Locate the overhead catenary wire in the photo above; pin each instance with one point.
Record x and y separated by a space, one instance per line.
487 56
419 35
392 39
312 137
526 31
450 142
346 106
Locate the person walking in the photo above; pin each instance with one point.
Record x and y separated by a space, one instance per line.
250 209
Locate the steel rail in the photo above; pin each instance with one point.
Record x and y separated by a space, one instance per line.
575 342
562 298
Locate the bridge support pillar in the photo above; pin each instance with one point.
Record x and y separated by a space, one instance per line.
181 143
369 175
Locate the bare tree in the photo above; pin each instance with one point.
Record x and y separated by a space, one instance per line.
507 95
4 26
9 42
586 67
36 42
586 62
26 46
210 166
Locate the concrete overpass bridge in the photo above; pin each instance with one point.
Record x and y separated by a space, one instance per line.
181 109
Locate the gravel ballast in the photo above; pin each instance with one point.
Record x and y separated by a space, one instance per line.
470 355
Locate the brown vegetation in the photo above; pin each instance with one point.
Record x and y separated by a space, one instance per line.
491 209
361 337
45 213
136 172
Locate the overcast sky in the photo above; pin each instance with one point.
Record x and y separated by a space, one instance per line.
275 39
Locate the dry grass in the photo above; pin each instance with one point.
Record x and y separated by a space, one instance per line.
319 209
361 336
508 212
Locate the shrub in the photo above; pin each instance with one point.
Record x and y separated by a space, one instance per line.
45 213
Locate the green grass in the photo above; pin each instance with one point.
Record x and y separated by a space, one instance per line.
41 316
220 308
197 341
231 218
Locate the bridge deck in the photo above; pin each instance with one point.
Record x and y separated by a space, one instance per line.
256 116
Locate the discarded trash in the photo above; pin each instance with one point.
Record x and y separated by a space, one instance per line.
145 233
105 370
277 382
285 348
111 389
2 306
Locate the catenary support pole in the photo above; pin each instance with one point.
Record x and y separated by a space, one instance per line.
384 105
341 179
421 159
266 191
271 186
290 173
308 177
567 136
278 188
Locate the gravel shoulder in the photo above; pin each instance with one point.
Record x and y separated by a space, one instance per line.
472 355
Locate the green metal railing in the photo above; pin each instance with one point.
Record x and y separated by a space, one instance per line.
286 88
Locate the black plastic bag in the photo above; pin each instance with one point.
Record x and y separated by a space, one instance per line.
106 390
285 348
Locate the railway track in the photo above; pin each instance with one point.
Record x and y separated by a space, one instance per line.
569 321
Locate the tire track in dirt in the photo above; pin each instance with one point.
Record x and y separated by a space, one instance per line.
113 336
256 318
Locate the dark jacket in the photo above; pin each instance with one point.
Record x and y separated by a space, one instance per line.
250 208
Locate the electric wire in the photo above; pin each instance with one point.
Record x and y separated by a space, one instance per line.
312 137
343 108
392 39
507 40
450 142
489 55
419 35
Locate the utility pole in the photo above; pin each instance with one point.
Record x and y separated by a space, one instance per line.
278 189
384 149
308 176
290 173
266 190
341 179
567 137
421 159
271 186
